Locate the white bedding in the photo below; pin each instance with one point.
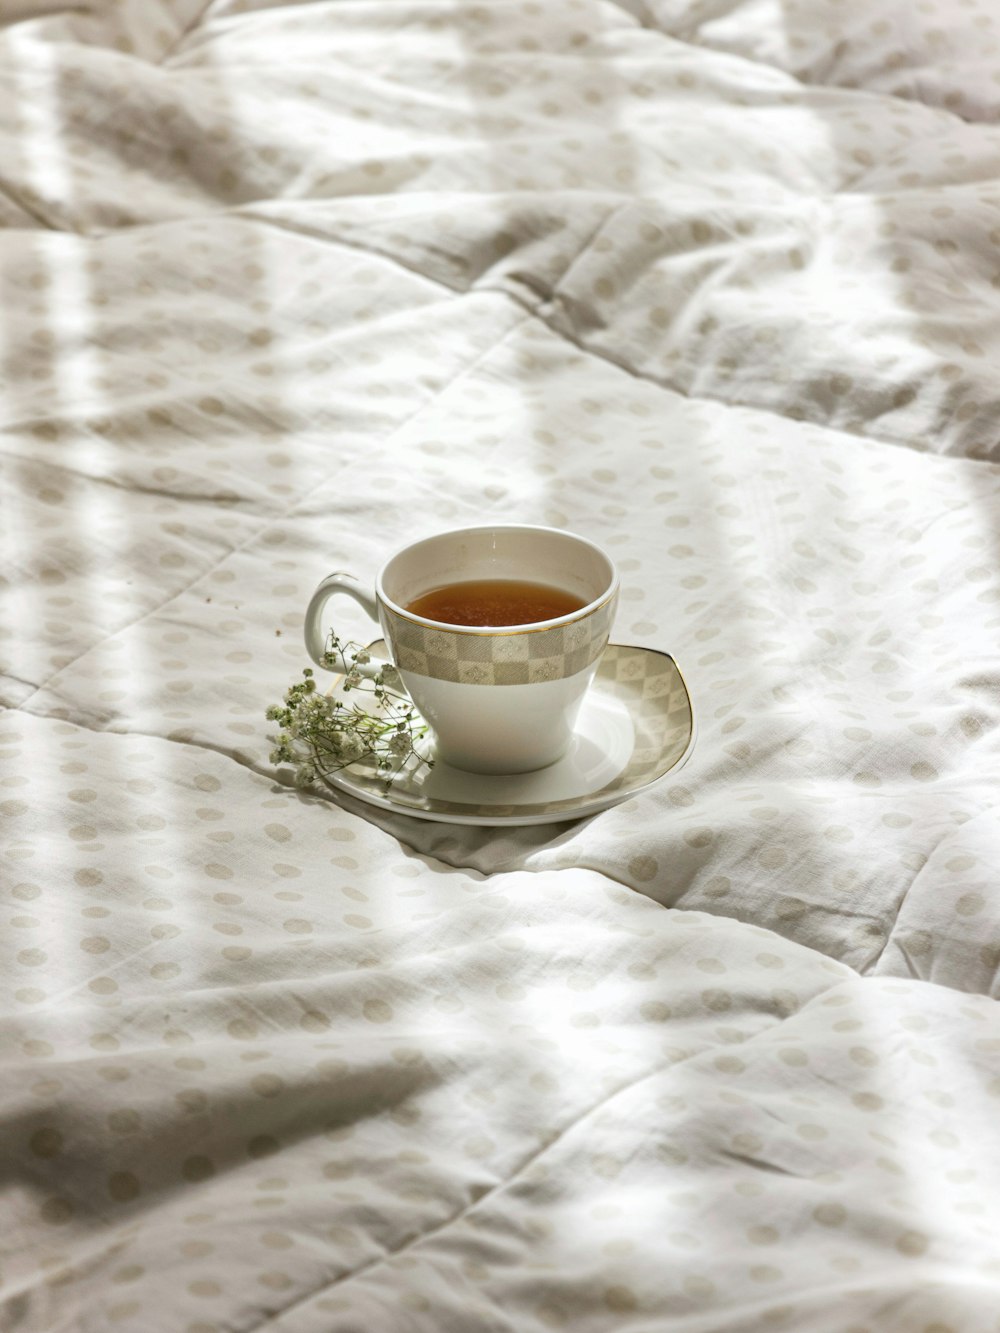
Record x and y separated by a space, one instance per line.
715 284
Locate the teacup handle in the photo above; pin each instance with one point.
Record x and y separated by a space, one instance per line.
339 582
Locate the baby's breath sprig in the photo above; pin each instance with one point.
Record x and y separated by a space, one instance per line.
321 735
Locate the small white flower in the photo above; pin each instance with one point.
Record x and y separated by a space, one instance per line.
351 748
319 734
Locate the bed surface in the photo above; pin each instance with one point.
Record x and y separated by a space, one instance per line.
286 285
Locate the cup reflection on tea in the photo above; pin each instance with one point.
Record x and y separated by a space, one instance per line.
497 632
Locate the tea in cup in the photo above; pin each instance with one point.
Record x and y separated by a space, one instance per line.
496 632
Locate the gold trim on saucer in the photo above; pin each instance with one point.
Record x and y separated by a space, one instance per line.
650 685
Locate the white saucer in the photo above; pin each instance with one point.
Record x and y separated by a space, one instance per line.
635 726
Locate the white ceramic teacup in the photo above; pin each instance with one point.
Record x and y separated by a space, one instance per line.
499 700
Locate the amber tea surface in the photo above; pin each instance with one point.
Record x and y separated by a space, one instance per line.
491 602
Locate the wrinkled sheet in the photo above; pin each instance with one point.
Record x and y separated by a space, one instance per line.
285 285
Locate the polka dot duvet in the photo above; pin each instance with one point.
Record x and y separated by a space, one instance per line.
287 285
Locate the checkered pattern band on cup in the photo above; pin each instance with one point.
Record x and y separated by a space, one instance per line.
515 656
